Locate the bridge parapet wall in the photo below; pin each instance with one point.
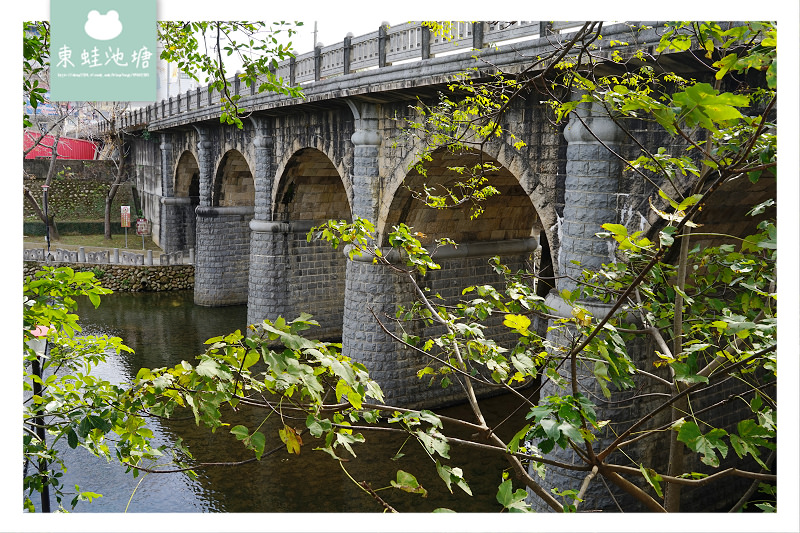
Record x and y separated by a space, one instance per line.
365 61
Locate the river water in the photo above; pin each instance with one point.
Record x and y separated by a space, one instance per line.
165 328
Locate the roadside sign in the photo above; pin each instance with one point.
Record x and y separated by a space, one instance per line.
126 216
142 226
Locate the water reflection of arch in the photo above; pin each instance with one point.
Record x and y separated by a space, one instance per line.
186 187
309 192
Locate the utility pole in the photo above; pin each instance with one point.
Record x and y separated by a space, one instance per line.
315 35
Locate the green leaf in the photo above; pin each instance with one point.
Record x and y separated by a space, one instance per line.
211 369
408 483
750 438
690 201
551 428
686 373
72 438
666 197
513 445
518 323
513 501
452 475
94 298
434 442
317 427
240 432
707 445
431 418
665 237
256 442
617 229
653 478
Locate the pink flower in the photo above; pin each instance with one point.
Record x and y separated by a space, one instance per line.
40 331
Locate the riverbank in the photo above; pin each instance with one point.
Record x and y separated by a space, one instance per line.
128 278
155 277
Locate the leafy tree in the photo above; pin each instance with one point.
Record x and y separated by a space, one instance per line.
117 141
185 45
35 69
259 53
64 403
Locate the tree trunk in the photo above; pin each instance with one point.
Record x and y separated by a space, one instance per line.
112 192
48 219
672 494
41 434
107 218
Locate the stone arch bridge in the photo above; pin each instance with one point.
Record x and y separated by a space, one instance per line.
245 199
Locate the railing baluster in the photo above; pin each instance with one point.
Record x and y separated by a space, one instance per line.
382 44
347 49
382 48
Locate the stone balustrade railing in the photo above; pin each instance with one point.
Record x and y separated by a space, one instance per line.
113 257
389 45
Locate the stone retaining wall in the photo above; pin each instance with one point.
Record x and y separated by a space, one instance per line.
133 278
79 190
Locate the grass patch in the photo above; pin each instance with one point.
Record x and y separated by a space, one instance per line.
95 241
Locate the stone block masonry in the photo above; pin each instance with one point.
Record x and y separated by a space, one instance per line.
290 276
380 290
129 278
269 266
376 289
316 284
223 255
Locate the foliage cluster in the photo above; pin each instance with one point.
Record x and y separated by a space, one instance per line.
710 310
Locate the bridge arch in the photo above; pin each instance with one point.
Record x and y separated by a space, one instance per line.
509 215
512 162
509 228
310 188
515 214
187 176
233 181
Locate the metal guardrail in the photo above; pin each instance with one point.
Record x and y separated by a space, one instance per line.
389 45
